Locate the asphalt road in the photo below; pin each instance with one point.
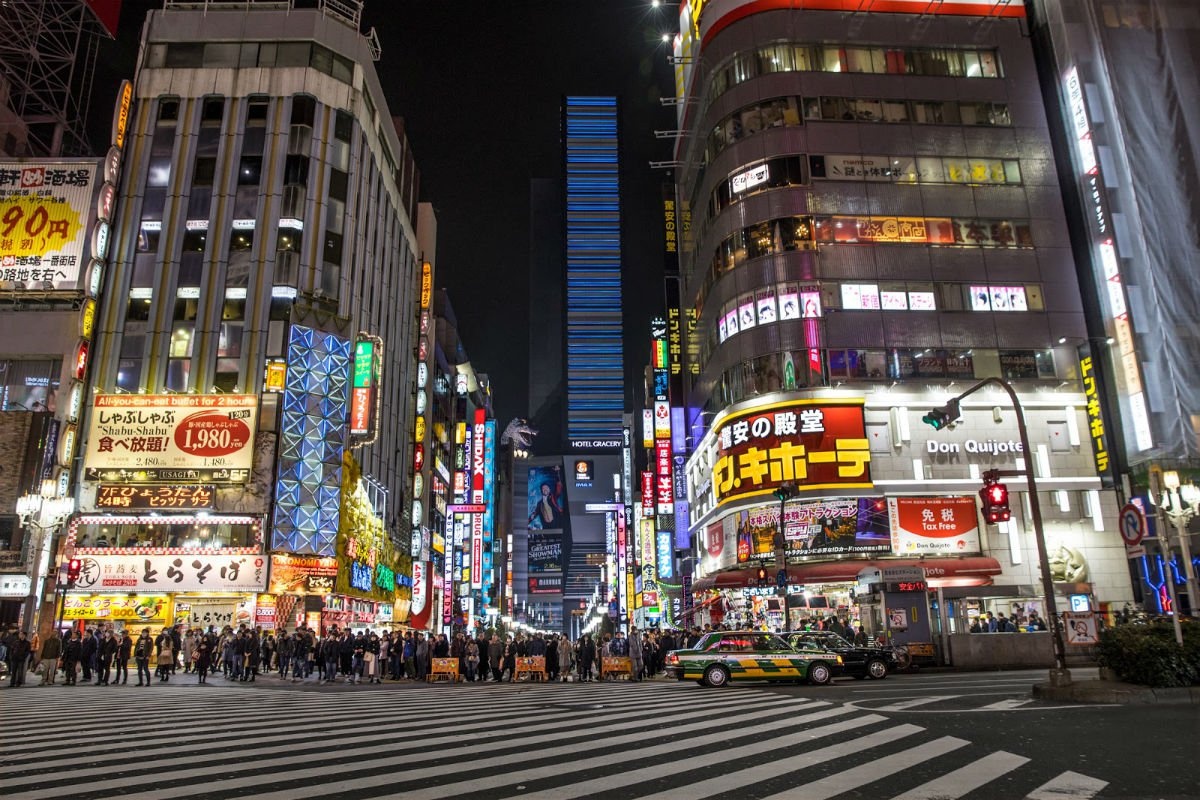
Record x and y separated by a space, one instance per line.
908 737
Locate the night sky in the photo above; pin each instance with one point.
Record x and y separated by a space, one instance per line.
479 85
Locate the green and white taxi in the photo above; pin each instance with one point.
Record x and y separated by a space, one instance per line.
722 656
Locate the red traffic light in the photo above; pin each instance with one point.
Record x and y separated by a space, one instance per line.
73 568
995 503
762 574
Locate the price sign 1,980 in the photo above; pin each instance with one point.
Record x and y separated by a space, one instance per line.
211 434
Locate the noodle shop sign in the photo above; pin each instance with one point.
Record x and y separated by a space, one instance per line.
814 445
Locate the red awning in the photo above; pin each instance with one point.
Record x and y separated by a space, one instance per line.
966 571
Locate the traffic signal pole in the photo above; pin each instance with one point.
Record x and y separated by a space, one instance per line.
1060 675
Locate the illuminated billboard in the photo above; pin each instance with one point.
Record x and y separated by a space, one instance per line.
46 230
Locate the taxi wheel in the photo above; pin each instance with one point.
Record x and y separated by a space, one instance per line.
716 676
877 669
819 673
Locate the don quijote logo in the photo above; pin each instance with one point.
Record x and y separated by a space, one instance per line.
32 177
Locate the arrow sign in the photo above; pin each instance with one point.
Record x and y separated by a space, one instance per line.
1132 524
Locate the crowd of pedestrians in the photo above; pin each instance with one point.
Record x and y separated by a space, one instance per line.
102 655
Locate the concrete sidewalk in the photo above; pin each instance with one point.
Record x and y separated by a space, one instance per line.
1108 691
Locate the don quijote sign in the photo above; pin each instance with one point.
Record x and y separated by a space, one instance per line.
980 447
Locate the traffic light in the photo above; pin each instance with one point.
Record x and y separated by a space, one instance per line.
73 568
943 417
995 500
762 574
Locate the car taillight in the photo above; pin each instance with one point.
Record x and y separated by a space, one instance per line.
672 658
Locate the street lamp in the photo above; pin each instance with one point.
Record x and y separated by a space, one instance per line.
940 418
783 492
40 513
1179 503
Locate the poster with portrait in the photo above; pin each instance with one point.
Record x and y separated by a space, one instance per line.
547 498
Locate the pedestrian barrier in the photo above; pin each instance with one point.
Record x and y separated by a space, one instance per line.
616 667
533 667
443 669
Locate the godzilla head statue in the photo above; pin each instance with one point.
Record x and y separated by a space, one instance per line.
519 433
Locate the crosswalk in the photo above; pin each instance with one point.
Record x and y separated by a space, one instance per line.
541 742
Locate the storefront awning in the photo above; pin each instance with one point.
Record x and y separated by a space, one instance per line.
967 571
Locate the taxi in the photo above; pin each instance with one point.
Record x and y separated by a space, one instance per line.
723 656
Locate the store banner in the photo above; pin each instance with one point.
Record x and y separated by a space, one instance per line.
835 526
934 525
218 613
813 445
46 213
176 438
303 574
172 573
139 608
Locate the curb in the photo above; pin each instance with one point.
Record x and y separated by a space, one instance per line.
1115 692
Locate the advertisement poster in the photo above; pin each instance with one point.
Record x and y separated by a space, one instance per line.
812 445
934 525
546 498
175 437
545 552
303 574
46 210
837 526
172 573
143 608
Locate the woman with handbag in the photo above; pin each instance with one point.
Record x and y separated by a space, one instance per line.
166 656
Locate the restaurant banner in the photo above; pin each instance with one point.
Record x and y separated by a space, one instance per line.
302 574
131 572
813 445
934 525
138 608
46 213
178 438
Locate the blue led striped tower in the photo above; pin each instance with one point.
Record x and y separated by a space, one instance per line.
595 363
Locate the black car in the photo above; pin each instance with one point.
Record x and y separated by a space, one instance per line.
857 662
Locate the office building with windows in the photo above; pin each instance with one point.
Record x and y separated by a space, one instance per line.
260 323
594 332
872 223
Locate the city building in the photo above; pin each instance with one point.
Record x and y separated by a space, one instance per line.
57 205
247 453
872 223
1115 76
456 576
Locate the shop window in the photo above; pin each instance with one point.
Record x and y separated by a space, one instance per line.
343 125
304 109
212 111
256 111
206 167
129 374
168 110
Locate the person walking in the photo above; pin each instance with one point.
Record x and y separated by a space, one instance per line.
471 651
495 654
551 654
410 656
330 653
72 649
88 654
124 651
186 648
371 657
422 658
383 663
586 656
143 649
51 653
635 654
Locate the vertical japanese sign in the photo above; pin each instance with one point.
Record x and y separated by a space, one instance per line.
479 433
1095 414
364 388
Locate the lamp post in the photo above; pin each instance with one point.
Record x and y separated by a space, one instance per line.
1179 504
40 513
947 414
784 492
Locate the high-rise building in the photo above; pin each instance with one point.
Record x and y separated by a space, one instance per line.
594 331
872 223
256 354
1119 78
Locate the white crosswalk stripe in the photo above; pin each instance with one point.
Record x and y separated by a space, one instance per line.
537 742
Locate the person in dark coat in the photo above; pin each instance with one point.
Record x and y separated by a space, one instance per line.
124 651
18 654
422 657
143 651
203 658
72 651
252 658
495 652
586 656
551 648
88 654
104 657
51 652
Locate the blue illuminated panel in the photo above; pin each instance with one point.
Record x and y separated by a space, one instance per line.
311 440
595 358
